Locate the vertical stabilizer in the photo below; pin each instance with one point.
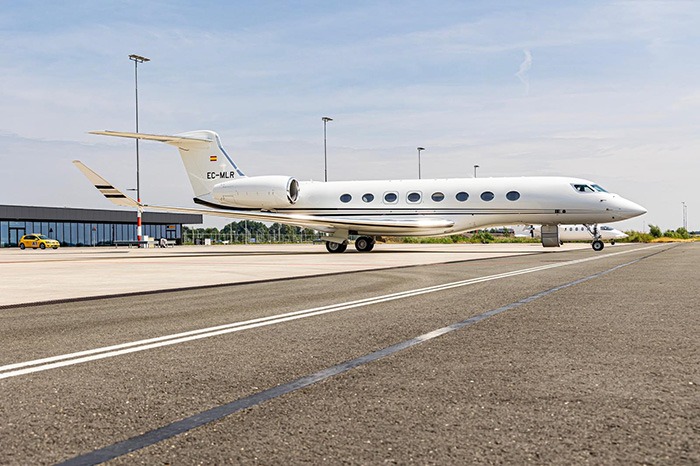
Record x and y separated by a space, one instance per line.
206 162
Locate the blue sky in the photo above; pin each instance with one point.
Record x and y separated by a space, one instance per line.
607 91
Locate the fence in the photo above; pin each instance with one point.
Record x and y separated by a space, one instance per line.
194 237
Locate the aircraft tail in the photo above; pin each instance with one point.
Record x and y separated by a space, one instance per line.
205 159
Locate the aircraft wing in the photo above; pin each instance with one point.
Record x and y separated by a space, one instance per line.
105 187
378 225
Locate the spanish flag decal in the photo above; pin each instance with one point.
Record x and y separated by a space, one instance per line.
212 158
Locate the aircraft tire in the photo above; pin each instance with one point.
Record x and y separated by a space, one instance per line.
364 244
597 245
336 248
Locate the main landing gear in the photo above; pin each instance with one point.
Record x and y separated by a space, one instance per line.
336 247
597 243
362 244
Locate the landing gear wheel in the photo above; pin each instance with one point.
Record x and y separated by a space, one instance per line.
612 242
336 247
364 244
22 246
597 245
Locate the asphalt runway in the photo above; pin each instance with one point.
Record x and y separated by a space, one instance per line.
565 357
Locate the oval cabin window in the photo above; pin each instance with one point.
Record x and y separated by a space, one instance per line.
487 196
413 197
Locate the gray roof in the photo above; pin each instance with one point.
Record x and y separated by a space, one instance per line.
72 214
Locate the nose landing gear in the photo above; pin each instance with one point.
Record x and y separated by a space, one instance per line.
597 243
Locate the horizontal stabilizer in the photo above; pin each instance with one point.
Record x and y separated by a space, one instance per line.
105 187
174 140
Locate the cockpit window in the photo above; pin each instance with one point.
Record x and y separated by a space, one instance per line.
606 228
583 188
599 188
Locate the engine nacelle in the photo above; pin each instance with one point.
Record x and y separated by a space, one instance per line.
258 192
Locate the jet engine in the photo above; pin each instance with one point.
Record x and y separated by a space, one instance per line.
258 192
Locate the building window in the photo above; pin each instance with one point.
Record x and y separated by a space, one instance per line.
487 196
66 234
4 235
513 195
462 196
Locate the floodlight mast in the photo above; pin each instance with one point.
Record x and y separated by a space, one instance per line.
419 149
325 153
137 59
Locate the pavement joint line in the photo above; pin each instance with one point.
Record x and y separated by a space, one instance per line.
54 362
171 430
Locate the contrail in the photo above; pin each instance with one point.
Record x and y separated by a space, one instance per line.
524 68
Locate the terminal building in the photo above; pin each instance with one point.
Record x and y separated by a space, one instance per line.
88 227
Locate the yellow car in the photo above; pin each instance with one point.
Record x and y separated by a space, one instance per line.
38 241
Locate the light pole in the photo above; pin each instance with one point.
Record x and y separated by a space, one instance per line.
419 149
137 59
685 216
475 167
325 153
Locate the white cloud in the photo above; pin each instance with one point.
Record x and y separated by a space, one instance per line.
522 73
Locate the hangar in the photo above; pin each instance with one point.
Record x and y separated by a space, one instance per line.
88 227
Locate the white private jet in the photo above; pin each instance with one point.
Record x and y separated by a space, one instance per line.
372 209
578 233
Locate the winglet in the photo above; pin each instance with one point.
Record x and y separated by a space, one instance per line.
105 187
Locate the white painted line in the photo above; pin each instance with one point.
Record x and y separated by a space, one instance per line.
53 362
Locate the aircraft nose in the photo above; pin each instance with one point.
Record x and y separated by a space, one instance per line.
630 209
